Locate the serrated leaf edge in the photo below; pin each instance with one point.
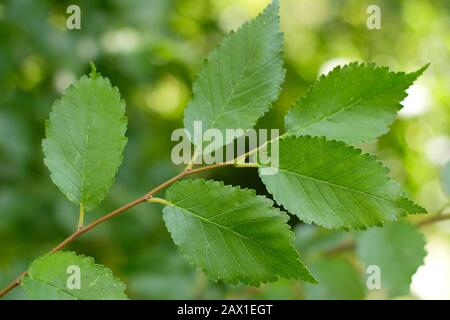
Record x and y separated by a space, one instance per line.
370 157
220 45
300 101
423 249
99 267
124 121
216 278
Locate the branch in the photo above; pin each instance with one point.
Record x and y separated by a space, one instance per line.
145 198
350 244
433 219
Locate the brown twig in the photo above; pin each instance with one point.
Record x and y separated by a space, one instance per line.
188 171
350 244
145 198
433 219
341 247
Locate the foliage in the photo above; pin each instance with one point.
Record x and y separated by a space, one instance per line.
136 244
240 78
354 104
232 234
85 140
335 186
397 249
48 277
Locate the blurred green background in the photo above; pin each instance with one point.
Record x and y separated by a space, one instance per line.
152 50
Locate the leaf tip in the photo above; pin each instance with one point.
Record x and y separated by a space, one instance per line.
420 71
425 67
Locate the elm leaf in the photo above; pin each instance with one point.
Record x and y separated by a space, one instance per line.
397 249
85 139
231 233
49 278
241 77
335 185
354 104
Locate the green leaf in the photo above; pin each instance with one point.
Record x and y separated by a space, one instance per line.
338 280
85 139
53 277
334 185
445 177
397 249
354 104
241 77
231 233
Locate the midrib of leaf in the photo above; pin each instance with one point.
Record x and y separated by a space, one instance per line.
261 249
344 108
70 166
55 287
334 99
82 154
68 292
198 216
252 88
237 84
208 247
86 146
343 187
